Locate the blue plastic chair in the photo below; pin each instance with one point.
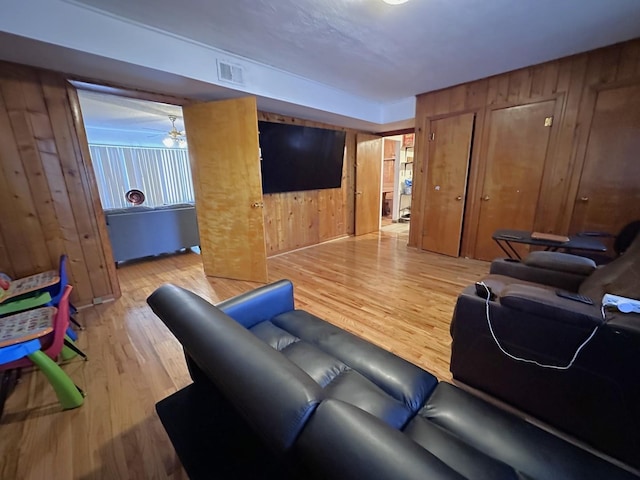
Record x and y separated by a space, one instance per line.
39 299
41 351
57 290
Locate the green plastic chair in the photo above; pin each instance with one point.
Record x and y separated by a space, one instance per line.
36 337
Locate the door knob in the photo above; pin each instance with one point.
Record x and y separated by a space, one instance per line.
459 197
584 199
257 205
486 198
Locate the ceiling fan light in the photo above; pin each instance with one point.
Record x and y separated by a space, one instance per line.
174 137
395 2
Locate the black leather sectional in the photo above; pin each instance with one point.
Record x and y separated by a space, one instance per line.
597 399
325 404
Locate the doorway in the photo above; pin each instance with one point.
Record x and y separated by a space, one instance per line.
139 155
449 155
396 186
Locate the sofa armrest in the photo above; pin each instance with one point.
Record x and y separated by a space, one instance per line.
273 394
515 269
561 262
260 304
544 302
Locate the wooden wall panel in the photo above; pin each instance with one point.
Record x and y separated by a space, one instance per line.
47 203
48 193
300 219
574 82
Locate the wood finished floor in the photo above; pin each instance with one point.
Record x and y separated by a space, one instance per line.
374 286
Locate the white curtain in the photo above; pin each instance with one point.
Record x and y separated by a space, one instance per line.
162 174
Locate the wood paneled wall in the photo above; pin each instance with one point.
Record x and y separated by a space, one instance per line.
299 219
574 81
49 203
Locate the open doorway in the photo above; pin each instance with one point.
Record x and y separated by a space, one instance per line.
397 178
139 153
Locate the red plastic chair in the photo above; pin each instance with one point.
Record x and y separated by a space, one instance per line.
40 345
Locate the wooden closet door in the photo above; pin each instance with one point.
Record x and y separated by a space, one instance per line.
609 192
225 164
447 173
516 149
368 182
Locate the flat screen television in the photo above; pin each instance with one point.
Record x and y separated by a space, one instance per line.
296 158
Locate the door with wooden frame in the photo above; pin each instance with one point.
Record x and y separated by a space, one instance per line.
225 163
516 150
446 183
368 180
609 192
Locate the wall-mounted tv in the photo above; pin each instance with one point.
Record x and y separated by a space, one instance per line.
296 158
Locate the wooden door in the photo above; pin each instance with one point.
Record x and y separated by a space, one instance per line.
609 192
223 149
516 149
368 179
447 173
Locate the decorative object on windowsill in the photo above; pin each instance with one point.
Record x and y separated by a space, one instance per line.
175 138
134 196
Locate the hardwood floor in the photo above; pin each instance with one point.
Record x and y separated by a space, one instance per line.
374 286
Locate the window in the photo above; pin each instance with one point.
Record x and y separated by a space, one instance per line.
162 174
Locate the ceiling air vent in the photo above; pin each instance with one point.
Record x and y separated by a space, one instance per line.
228 72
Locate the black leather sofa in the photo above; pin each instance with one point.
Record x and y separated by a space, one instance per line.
596 400
318 402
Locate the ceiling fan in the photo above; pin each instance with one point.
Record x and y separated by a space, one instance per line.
174 136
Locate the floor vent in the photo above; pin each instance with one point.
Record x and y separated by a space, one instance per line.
228 72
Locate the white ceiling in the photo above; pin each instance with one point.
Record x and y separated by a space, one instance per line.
114 120
385 52
356 63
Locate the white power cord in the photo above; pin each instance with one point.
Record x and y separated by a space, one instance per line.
526 360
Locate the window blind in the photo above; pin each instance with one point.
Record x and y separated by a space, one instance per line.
162 174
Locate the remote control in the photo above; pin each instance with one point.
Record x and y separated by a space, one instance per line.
574 296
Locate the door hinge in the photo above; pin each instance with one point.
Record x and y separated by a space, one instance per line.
548 121
432 136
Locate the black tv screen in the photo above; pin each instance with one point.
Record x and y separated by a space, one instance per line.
296 158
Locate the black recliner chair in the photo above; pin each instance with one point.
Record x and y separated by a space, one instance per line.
621 241
597 399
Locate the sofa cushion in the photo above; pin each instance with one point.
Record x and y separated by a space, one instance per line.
499 443
349 368
561 262
343 442
457 454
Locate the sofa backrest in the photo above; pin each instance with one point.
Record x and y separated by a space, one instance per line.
273 394
456 435
345 442
620 277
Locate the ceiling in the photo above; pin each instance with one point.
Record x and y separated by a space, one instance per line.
355 63
114 120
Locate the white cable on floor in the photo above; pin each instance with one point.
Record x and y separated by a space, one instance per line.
526 360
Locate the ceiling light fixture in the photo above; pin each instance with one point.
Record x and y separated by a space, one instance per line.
395 2
174 137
